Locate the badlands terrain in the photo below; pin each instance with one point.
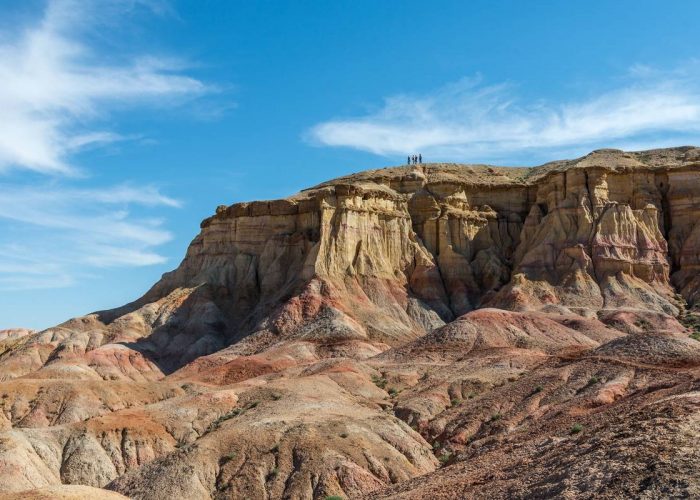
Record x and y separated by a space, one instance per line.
424 331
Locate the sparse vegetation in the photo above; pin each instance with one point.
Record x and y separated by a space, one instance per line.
273 474
643 324
455 402
379 381
227 458
537 389
344 435
689 320
444 458
252 405
233 413
593 381
692 323
275 449
226 416
276 397
495 417
576 429
393 392
436 445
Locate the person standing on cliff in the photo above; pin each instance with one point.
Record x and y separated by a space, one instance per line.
409 160
420 158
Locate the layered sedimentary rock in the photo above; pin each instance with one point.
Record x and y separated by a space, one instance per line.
381 334
375 259
383 256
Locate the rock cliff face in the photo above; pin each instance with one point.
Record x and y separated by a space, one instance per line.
384 256
387 333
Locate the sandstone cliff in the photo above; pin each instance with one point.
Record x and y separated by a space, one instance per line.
380 257
442 322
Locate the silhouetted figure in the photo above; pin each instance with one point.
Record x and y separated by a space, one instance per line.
409 160
415 159
420 158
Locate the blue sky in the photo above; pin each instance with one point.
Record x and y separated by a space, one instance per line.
126 122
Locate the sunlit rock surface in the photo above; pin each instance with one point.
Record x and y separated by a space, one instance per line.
419 331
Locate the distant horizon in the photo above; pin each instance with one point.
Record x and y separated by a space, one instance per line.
127 123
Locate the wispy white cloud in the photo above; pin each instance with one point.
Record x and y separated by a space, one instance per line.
54 87
470 120
30 266
54 234
58 84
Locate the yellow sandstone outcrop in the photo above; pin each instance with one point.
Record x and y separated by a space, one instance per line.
378 258
612 229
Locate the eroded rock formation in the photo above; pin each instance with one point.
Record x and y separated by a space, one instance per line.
381 257
383 334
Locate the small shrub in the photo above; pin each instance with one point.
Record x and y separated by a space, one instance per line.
273 474
495 417
379 381
444 458
576 429
455 402
393 392
252 405
436 445
537 389
276 397
593 381
226 416
344 435
691 322
227 458
233 413
275 448
643 324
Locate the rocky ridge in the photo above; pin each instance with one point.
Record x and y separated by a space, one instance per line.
448 323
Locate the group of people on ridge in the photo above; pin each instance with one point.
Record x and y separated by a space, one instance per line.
415 159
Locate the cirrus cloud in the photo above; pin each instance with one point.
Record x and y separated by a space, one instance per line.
53 234
470 119
61 76
53 85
